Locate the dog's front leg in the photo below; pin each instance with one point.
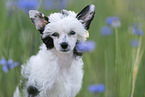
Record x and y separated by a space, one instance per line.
32 91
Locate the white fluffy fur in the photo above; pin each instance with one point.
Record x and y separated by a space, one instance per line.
65 24
55 73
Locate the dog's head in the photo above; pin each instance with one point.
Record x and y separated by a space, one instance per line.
63 30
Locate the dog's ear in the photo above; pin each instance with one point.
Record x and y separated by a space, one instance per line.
38 19
48 41
86 15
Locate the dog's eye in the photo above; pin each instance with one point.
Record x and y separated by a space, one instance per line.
72 33
55 34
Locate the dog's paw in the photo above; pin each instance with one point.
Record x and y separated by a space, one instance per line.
32 91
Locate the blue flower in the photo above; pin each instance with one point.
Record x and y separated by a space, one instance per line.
8 65
85 46
28 5
140 32
34 4
105 31
4 63
10 4
137 30
135 43
63 4
96 88
113 21
55 4
109 20
48 5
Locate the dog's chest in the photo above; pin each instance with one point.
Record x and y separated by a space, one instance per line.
62 86
55 76
68 81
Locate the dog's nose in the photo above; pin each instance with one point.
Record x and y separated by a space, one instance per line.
64 45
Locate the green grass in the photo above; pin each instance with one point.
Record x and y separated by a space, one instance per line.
114 62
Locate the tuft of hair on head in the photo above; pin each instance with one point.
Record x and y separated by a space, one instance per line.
85 16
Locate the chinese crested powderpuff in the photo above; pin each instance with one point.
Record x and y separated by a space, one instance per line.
56 70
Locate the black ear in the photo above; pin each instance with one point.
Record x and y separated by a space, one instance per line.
48 41
38 19
86 15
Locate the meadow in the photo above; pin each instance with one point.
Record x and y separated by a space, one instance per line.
117 62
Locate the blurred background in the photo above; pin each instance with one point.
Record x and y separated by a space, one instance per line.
116 68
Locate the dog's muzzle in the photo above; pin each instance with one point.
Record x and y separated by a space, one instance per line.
64 46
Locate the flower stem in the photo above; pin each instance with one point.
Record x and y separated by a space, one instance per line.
41 4
136 65
116 46
116 58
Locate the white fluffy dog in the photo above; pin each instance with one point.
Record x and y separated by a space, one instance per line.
56 71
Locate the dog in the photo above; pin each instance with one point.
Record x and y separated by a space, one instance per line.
57 69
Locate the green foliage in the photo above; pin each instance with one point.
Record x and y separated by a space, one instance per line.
114 62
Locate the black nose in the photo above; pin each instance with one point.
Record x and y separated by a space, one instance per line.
64 45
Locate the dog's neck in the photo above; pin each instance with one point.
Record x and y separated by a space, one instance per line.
64 59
